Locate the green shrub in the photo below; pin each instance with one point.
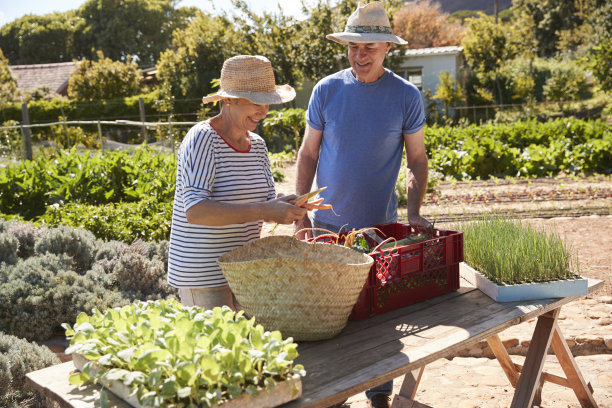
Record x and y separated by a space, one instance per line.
149 219
17 358
79 244
9 245
71 272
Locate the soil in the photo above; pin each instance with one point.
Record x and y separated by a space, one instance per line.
578 209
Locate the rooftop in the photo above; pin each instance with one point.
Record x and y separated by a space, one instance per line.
54 76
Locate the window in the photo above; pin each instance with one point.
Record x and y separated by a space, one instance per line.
415 75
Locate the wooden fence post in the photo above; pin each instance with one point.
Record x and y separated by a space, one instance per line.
64 124
100 136
25 132
143 130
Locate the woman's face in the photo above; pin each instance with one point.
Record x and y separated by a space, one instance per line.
246 114
367 60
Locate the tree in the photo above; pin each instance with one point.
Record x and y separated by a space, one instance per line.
423 25
550 19
8 86
22 39
141 28
486 49
197 55
448 91
599 60
104 79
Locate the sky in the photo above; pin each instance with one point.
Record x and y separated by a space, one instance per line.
13 9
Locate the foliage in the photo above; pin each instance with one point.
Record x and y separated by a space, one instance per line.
197 55
599 61
50 285
104 79
273 35
523 148
448 92
567 82
139 28
21 39
486 48
17 358
8 85
28 188
283 129
423 24
509 252
117 28
148 219
168 354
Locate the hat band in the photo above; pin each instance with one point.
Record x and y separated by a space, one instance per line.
368 29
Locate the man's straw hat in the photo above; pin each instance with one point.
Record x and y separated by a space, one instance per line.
369 24
250 77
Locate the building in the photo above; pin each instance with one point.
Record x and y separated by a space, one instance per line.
423 66
53 76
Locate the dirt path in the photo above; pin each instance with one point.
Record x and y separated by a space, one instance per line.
579 210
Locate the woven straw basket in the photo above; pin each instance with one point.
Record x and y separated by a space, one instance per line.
305 290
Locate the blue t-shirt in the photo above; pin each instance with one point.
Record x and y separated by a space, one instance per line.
362 146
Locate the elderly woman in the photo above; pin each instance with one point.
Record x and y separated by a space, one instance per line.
224 185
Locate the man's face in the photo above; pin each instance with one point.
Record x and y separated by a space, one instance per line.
367 60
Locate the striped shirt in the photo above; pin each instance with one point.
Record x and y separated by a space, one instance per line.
210 169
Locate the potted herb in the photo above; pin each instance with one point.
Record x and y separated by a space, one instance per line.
160 353
511 261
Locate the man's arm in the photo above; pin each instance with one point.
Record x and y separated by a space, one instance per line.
416 176
307 161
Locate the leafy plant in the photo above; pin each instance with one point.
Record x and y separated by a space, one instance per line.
509 252
171 355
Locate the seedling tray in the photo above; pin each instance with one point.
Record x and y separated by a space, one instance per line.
416 272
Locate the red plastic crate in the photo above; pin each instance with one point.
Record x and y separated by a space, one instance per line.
418 271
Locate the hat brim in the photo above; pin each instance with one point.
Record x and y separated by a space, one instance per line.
345 38
283 94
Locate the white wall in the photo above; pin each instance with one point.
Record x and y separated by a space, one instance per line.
432 66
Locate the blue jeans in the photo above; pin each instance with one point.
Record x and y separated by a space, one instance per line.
386 388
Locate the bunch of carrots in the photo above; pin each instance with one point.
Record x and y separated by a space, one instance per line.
302 201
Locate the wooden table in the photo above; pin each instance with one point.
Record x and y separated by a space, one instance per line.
401 343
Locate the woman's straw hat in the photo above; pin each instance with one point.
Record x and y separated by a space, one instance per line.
369 24
250 77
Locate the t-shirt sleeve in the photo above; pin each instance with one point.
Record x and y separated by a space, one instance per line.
414 115
198 170
269 175
314 113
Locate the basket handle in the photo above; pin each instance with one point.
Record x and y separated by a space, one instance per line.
383 243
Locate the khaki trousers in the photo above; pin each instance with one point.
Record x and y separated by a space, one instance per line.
209 298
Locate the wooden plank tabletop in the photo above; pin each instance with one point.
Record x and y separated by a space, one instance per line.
368 352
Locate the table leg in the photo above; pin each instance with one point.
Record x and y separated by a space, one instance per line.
500 352
405 398
529 381
570 368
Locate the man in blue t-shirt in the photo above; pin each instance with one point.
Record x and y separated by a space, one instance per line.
358 122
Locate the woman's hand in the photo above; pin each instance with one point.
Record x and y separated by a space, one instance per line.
282 211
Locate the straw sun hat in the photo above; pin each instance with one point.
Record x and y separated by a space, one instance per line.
250 77
369 24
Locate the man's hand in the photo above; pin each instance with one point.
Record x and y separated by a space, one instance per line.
303 223
418 221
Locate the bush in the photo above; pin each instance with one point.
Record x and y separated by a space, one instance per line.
149 219
79 244
72 272
9 245
17 358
